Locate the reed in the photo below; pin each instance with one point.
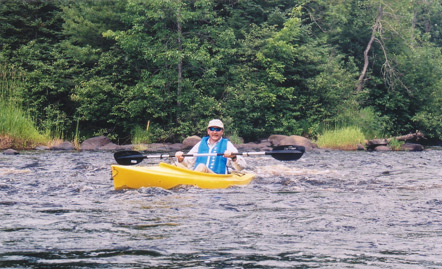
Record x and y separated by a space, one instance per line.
77 135
395 144
141 135
371 124
19 127
11 79
346 138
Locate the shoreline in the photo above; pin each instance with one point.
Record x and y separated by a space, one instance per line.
102 143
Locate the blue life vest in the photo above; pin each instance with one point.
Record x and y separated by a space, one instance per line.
216 163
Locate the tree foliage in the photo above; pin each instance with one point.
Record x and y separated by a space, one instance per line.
263 67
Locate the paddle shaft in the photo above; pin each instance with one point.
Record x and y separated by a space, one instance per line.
285 154
210 154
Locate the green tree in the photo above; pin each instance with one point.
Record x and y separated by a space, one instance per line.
404 90
30 36
290 81
25 21
174 47
422 69
385 38
106 71
262 66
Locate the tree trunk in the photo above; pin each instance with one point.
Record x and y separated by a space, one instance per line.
415 137
180 60
376 26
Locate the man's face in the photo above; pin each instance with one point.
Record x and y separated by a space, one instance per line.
215 133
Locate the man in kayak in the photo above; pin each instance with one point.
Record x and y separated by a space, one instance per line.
214 143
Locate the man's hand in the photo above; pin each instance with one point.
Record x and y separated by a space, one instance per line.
229 154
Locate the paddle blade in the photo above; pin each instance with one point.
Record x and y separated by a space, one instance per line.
128 157
287 153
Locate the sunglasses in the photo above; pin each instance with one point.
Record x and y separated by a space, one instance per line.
215 129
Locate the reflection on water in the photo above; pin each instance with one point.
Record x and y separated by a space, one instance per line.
328 209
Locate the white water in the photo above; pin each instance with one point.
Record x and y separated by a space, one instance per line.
328 209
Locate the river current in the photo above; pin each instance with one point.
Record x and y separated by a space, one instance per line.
330 209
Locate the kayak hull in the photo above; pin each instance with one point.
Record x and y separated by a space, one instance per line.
168 176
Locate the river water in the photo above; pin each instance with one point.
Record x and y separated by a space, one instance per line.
328 209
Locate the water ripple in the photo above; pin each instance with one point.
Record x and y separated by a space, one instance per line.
329 209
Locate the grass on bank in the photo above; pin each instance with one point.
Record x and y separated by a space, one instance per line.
141 137
17 129
346 138
395 144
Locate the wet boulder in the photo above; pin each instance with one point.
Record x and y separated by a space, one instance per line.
110 146
158 147
252 146
374 143
94 143
190 141
63 146
360 147
173 147
279 140
412 147
10 152
382 148
275 140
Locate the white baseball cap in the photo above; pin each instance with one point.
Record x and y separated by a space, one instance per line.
215 123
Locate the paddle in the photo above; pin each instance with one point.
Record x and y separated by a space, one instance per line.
281 153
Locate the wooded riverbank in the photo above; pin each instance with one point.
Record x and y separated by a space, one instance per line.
81 69
408 142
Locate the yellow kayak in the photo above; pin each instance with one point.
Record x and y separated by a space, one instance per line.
168 176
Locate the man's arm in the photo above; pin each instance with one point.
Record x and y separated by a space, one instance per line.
189 162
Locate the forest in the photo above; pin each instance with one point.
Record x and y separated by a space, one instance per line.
121 68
